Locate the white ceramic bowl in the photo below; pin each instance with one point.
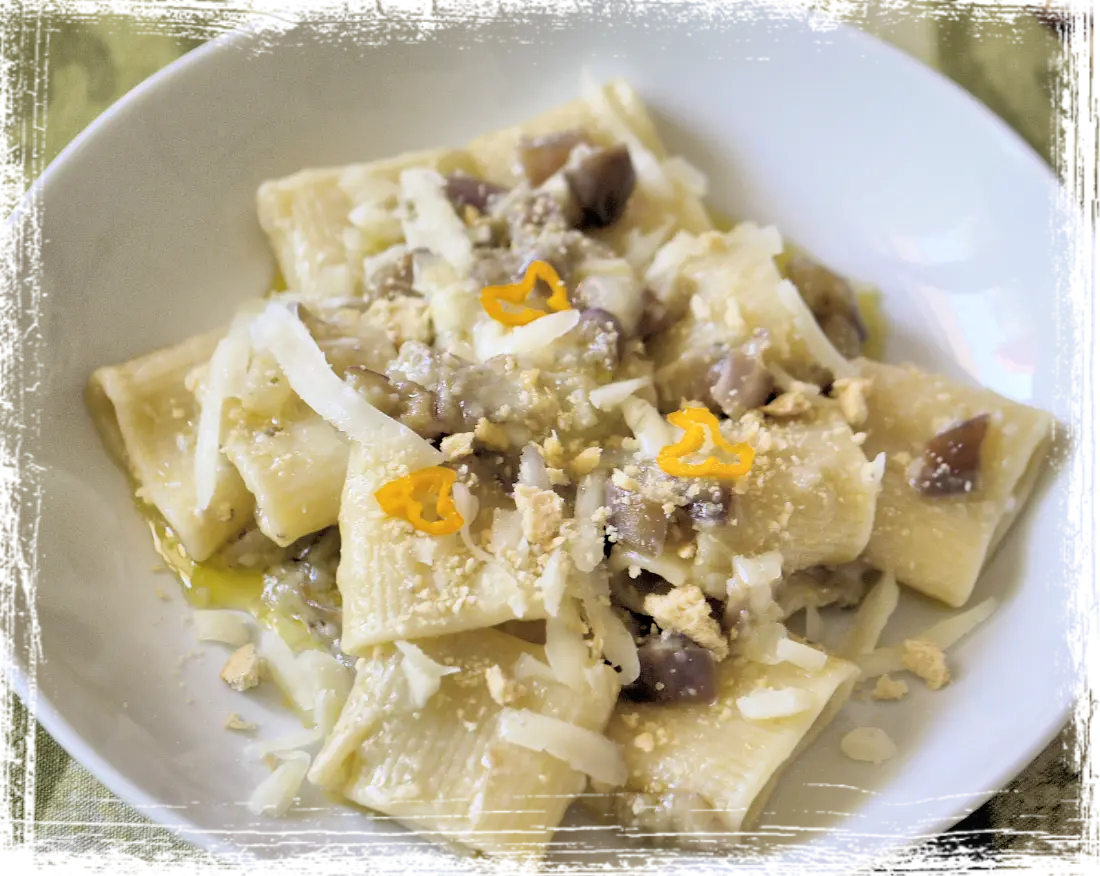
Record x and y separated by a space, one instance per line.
877 165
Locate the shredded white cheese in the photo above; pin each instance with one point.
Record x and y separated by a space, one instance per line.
820 347
617 641
587 547
276 794
868 744
766 704
302 361
327 705
762 570
301 676
760 643
282 666
949 631
225 379
490 339
566 650
687 175
224 626
585 751
871 618
611 395
670 567
647 424
530 667
651 175
943 635
422 673
801 655
290 742
467 506
641 247
429 220
610 284
871 472
552 582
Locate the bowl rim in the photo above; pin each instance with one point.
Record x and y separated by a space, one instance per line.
43 710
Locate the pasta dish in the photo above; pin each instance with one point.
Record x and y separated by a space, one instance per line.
529 485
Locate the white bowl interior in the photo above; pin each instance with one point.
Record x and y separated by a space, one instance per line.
878 166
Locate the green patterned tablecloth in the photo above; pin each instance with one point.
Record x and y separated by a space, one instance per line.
63 62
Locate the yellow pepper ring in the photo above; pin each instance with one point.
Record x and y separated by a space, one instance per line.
398 499
696 422
516 293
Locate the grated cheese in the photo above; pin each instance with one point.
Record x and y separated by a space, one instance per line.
225 379
943 635
641 247
611 395
290 742
309 375
647 424
687 175
587 547
617 641
820 347
224 626
422 673
467 505
276 794
871 472
766 704
651 175
584 750
490 338
673 569
566 650
531 667
302 676
430 222
871 618
552 582
283 669
801 655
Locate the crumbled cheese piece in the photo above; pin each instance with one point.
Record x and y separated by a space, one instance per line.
686 610
925 660
403 318
242 670
558 478
686 551
236 722
502 690
644 741
789 404
585 462
851 392
457 446
624 482
542 513
492 435
553 452
889 688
